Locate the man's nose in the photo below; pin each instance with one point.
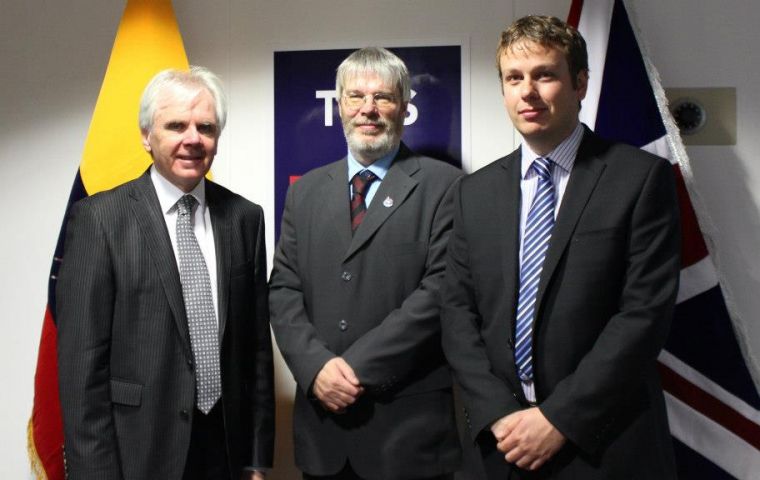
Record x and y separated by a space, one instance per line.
527 89
368 107
192 136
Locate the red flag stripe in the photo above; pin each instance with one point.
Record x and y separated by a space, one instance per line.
693 248
46 425
574 17
709 406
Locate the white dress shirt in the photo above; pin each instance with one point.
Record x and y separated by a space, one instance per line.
563 157
168 195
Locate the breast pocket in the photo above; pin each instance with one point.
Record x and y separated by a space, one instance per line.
597 255
601 234
407 248
242 269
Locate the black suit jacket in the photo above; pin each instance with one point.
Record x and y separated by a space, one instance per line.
125 363
604 306
371 298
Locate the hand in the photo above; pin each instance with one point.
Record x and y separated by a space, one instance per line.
252 475
336 385
527 438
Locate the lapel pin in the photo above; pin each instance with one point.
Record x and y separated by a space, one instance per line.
388 202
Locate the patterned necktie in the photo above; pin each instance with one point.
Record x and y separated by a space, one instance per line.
538 232
360 183
199 306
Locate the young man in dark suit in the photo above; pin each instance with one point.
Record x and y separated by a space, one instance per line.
164 351
354 293
562 272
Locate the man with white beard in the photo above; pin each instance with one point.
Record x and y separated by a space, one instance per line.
354 293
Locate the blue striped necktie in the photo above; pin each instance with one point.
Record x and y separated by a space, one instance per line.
538 232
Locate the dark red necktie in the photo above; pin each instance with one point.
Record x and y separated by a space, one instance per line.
360 183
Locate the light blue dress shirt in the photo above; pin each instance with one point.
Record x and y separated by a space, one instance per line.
379 167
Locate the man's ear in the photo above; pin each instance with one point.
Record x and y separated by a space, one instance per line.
146 140
581 84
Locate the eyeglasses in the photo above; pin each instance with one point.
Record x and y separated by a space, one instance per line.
382 100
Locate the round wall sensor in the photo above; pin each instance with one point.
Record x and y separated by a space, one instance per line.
689 115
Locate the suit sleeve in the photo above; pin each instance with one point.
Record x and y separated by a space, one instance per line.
298 340
409 335
487 397
584 404
84 312
263 407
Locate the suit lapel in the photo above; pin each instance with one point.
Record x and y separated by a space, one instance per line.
147 212
336 203
508 199
221 225
583 180
396 186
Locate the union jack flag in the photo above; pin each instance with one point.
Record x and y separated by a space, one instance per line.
713 403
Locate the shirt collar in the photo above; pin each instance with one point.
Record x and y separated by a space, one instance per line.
563 155
379 167
168 193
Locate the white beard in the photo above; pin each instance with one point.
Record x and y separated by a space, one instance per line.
375 147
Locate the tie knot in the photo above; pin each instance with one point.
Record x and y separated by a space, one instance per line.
543 167
185 204
360 181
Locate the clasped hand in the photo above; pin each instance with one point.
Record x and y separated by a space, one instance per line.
336 386
527 438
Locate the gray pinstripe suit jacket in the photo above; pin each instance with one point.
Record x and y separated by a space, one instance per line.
125 363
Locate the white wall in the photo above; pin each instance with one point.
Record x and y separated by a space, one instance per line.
54 55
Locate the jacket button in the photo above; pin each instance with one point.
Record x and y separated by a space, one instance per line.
343 325
346 276
184 414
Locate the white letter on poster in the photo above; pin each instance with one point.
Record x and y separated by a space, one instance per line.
328 96
411 110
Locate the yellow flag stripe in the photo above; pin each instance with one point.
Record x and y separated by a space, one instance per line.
148 40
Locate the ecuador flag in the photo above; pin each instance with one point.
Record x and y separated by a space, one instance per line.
147 41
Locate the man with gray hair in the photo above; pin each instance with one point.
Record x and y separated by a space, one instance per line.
164 352
354 293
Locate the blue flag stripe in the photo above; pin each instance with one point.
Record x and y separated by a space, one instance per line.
690 465
627 107
702 337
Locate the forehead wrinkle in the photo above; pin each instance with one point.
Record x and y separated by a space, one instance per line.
369 75
181 98
537 56
526 48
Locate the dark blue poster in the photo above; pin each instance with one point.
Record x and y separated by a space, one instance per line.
308 131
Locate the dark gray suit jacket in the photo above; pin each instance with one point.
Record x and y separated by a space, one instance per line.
604 307
372 299
125 363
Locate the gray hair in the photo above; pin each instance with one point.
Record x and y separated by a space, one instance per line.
379 61
197 78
